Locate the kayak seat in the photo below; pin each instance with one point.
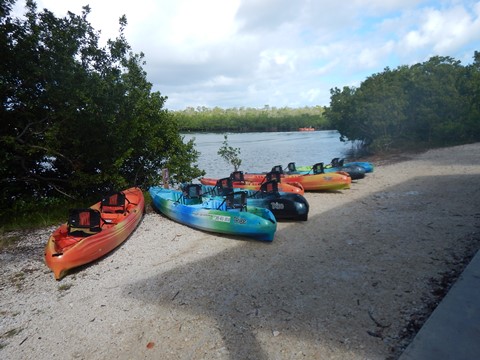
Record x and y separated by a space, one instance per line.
269 187
277 168
337 162
114 202
192 194
237 176
237 200
318 168
223 186
84 222
273 176
291 167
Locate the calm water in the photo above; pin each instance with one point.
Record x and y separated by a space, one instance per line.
262 151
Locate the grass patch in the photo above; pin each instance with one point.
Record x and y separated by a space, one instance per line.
7 241
37 213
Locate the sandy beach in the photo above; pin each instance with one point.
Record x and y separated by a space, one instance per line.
355 281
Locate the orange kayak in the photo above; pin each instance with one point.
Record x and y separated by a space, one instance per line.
93 232
239 182
311 182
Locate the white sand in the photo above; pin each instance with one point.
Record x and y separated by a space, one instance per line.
352 282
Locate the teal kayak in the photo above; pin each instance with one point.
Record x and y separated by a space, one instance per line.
226 215
354 171
368 166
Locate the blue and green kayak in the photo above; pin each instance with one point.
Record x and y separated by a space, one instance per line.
226 215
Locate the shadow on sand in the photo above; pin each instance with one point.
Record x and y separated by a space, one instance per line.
325 282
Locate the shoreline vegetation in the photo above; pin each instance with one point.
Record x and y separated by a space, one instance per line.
70 85
52 211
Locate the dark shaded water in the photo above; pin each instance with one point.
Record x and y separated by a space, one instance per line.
262 151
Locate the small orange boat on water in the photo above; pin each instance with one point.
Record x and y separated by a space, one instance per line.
91 233
238 181
306 129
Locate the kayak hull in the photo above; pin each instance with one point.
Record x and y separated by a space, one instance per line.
312 182
64 252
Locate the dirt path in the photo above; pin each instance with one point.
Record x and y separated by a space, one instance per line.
353 282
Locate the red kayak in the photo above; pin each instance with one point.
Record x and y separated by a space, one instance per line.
93 232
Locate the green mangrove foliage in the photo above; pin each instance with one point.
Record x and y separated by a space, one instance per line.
435 103
78 119
268 118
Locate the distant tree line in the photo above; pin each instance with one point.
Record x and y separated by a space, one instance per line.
202 119
435 103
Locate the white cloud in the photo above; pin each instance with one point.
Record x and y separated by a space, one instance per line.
279 52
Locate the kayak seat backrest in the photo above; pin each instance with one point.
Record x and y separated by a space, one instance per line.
192 192
277 168
269 187
224 186
291 167
113 203
237 176
318 168
237 200
273 176
337 162
84 222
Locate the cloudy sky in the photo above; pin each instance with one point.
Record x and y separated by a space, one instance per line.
252 53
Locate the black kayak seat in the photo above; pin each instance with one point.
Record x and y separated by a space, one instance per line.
270 187
237 176
337 162
84 222
277 168
236 200
273 176
318 168
224 186
114 202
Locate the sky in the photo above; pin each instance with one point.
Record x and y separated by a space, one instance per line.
278 53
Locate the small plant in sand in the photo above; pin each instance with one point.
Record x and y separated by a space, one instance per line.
230 154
